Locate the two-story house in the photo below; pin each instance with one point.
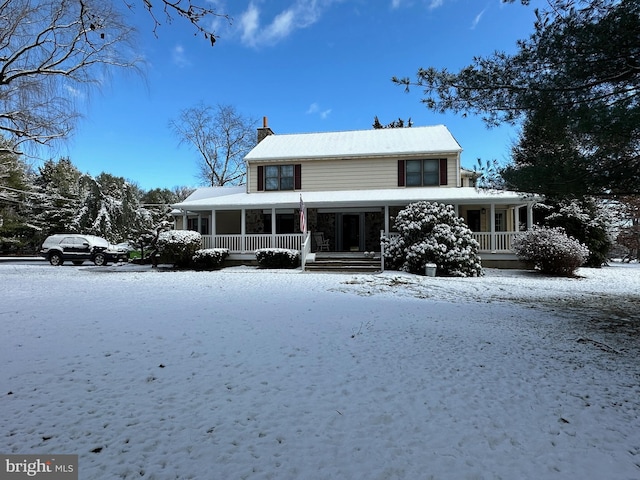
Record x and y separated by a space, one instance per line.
350 186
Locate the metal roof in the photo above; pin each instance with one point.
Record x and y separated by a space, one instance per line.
356 143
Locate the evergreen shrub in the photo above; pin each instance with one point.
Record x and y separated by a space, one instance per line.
551 250
178 247
210 258
432 233
587 222
278 258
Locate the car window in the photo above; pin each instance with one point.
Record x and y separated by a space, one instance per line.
68 240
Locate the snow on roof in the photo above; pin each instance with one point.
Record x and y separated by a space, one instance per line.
356 198
210 192
355 143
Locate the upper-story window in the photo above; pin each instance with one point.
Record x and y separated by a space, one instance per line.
422 173
278 177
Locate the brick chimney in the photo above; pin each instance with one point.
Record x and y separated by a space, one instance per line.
265 131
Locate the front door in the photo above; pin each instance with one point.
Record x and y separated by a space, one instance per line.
351 232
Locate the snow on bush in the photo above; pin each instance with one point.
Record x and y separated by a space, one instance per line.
589 221
432 233
278 258
178 246
551 250
210 258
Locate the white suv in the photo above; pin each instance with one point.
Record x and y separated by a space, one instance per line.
78 248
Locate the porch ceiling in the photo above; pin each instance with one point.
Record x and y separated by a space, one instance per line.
357 198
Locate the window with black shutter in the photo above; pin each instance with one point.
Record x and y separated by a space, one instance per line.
422 173
279 177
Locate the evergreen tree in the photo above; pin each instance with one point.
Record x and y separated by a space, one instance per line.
111 208
583 60
17 234
59 196
400 123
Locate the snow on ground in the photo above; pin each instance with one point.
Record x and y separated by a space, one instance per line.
245 373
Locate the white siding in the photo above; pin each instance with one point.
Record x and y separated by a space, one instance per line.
352 174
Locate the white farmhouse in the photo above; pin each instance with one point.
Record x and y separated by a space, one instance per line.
351 184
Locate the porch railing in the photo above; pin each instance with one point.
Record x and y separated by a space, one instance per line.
495 242
252 242
305 250
489 242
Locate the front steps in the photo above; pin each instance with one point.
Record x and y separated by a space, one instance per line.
347 262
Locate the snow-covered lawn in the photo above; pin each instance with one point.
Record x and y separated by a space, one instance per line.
244 373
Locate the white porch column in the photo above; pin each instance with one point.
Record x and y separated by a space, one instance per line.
456 208
386 220
184 220
529 216
273 227
517 218
243 229
199 222
213 222
492 223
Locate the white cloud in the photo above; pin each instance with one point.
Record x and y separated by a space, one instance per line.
299 15
395 4
477 19
435 4
179 56
314 109
249 23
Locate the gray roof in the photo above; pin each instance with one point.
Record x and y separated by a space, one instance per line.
356 143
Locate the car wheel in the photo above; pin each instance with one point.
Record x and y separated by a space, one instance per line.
78 262
100 260
55 259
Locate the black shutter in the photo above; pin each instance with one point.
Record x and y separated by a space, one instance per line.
401 173
443 171
260 178
297 176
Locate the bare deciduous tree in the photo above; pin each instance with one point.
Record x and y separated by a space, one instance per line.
53 50
221 136
50 50
197 15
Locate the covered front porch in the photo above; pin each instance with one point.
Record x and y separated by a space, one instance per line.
346 221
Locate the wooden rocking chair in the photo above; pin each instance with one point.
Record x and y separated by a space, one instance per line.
321 242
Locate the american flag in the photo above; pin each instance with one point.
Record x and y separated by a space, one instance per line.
303 221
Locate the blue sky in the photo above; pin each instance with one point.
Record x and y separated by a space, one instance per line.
307 65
